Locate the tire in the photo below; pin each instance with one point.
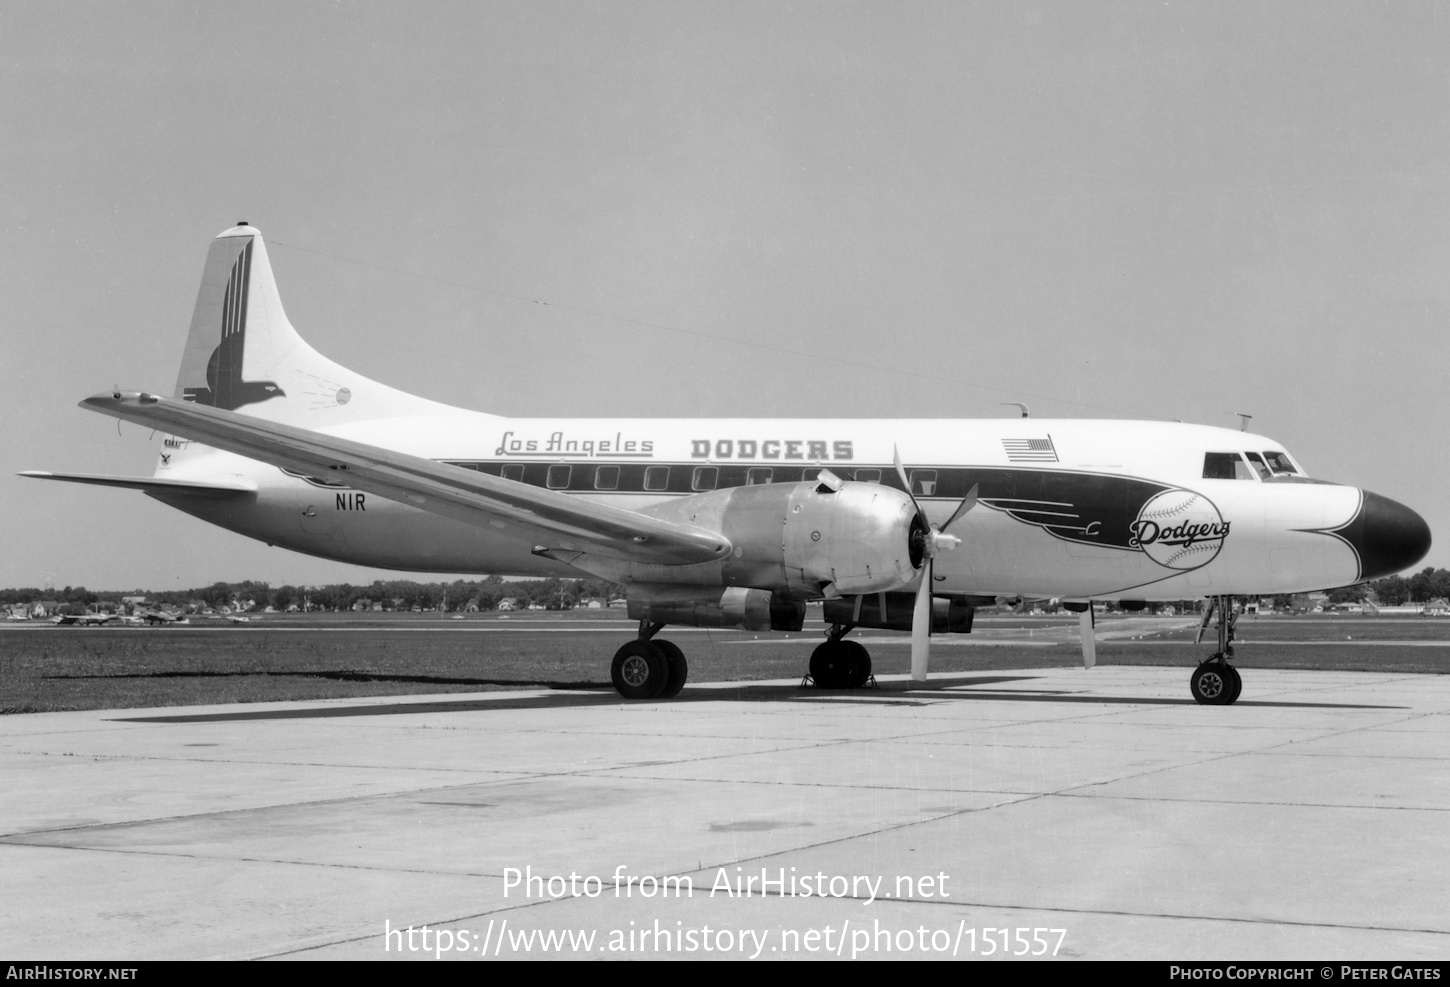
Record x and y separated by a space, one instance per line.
1211 685
640 670
678 668
1238 684
858 664
830 666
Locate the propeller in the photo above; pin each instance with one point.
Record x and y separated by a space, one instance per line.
1086 621
925 543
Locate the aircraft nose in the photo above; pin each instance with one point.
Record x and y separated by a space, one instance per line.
1387 535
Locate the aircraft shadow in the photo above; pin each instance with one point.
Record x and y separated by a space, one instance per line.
343 675
583 694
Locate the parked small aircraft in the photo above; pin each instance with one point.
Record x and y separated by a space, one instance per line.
154 617
84 619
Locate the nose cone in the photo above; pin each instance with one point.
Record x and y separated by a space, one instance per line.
1387 535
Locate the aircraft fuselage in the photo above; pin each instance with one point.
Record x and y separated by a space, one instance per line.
1073 508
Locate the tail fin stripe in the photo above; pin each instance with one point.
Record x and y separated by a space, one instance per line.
245 263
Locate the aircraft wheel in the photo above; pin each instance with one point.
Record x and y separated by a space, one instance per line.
1238 684
830 666
1211 685
679 669
858 664
640 670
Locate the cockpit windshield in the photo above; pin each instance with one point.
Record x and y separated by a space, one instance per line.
1260 467
1279 463
1248 466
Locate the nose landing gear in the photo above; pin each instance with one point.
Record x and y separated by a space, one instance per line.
1216 682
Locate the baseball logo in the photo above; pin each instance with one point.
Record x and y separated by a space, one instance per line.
1179 529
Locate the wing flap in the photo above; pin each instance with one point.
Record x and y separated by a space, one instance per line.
556 519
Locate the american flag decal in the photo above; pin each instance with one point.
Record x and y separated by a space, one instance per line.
1030 450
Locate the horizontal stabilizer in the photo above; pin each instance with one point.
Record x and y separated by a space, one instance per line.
149 482
549 518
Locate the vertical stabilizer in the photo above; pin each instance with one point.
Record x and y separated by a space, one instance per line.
243 355
238 321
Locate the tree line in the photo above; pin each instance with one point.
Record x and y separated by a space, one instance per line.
391 594
553 594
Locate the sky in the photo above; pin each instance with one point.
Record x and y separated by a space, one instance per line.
734 209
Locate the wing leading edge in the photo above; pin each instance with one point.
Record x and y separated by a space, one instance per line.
549 518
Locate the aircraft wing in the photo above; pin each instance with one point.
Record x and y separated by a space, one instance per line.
549 518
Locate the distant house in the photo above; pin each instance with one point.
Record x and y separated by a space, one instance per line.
619 603
1438 607
507 605
471 606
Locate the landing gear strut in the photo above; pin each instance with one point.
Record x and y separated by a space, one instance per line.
649 668
838 663
1216 682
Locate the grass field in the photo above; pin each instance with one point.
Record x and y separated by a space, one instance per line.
315 656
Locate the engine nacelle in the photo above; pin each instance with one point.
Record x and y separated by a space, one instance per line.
805 540
897 611
733 606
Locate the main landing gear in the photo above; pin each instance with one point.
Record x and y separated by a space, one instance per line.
647 668
838 663
1216 682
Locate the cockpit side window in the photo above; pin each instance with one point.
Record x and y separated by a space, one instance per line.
1225 466
1258 464
1279 463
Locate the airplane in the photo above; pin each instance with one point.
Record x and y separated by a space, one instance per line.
899 524
84 619
155 617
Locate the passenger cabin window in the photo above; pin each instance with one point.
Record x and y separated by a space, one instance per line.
868 476
1279 463
923 483
1257 462
811 473
606 478
705 477
513 471
758 475
657 478
1225 466
559 477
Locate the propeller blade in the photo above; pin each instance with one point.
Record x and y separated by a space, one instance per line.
901 472
968 502
1086 621
921 627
